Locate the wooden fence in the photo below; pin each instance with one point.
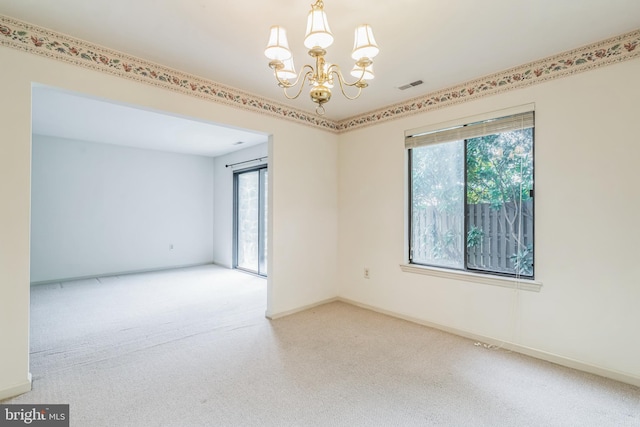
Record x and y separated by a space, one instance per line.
438 237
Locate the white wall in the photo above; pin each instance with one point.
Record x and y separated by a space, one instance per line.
223 210
102 209
303 186
586 154
302 190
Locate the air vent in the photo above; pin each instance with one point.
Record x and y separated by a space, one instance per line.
410 85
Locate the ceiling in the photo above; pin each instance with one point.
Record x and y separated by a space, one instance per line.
69 115
441 43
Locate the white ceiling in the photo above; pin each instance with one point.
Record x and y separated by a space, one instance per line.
73 116
443 43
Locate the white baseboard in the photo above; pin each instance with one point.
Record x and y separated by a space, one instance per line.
119 273
219 264
274 316
538 354
16 390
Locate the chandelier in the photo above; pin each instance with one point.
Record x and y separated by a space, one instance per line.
322 77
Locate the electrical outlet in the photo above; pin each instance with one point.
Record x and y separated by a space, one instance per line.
366 272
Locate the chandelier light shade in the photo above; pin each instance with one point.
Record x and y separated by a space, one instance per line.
278 46
365 73
323 75
318 34
364 45
288 71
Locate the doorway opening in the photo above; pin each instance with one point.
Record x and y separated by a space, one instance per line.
250 220
145 193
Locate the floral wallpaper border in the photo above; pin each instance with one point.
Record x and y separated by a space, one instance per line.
611 51
23 36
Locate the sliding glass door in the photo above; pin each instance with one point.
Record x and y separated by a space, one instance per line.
250 220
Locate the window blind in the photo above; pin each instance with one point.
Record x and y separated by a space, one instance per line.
472 130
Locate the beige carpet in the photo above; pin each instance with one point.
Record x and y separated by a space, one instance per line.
191 347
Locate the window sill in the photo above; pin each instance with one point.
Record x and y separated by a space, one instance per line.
485 279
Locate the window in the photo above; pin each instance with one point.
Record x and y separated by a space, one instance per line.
471 197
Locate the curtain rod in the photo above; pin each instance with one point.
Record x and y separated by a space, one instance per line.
259 159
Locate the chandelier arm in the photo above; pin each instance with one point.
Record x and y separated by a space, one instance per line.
343 83
335 69
304 77
287 84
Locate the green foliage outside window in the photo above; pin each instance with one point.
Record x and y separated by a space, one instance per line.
499 175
